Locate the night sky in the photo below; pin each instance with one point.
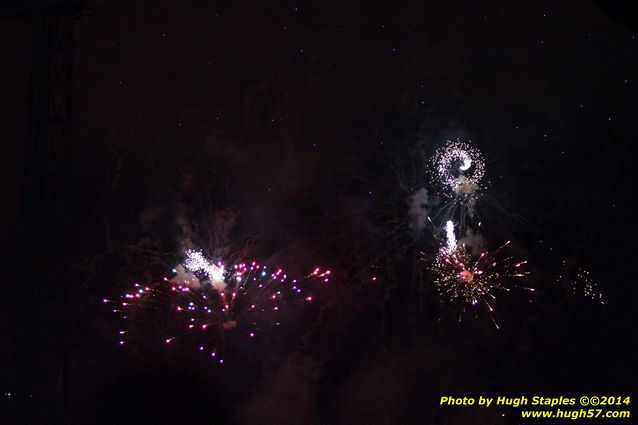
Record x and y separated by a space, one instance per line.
299 133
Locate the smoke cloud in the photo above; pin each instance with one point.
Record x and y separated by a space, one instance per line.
186 278
295 384
474 241
418 210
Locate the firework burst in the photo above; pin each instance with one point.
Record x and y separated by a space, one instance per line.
580 282
459 168
214 272
250 301
469 281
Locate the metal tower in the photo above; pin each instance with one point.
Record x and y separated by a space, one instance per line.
43 337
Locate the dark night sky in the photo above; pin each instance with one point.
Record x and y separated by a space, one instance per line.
308 124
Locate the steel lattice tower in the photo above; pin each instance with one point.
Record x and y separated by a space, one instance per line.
43 342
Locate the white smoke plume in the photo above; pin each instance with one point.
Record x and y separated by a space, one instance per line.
418 209
186 278
474 241
185 241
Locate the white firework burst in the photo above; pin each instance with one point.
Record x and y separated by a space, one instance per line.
196 262
459 168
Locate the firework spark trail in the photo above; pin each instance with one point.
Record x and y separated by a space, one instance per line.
451 237
467 280
251 300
